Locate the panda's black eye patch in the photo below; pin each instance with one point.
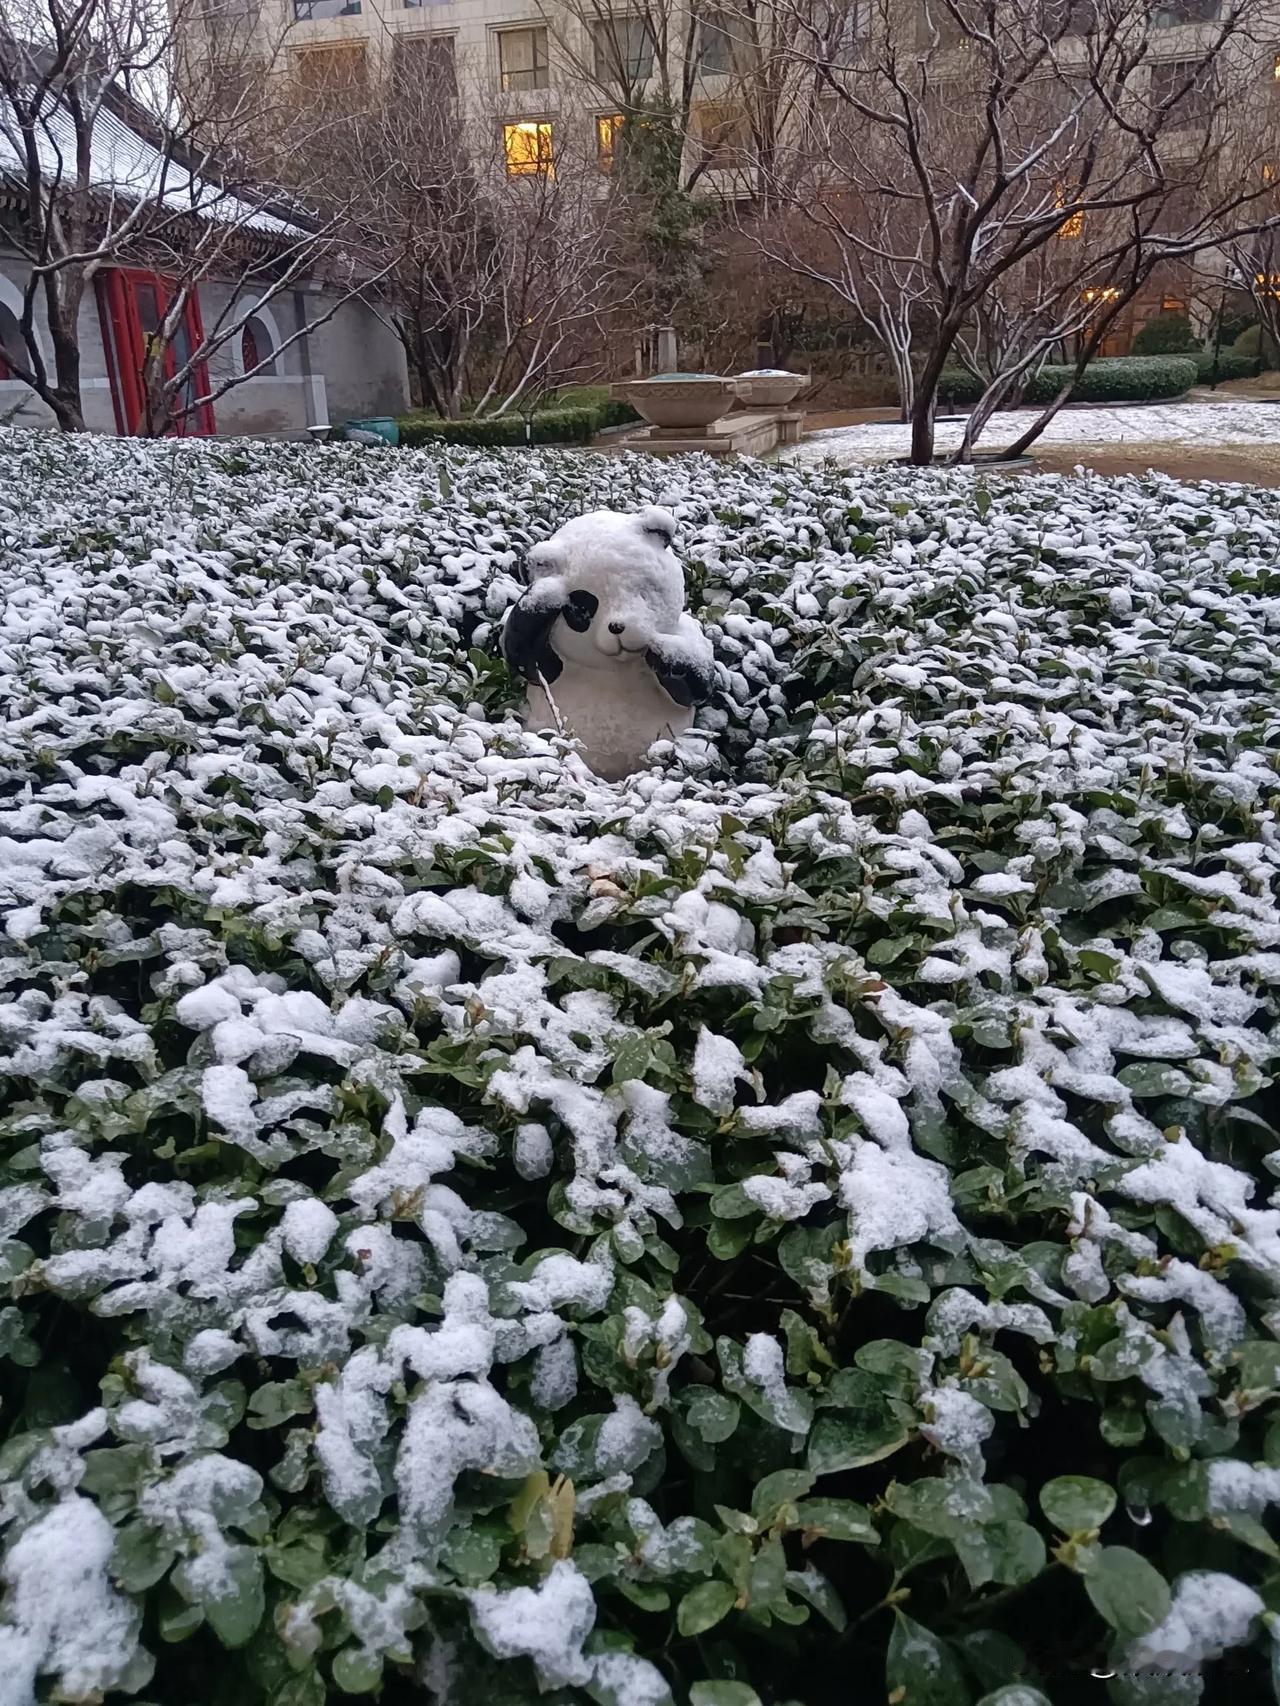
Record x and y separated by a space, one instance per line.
581 607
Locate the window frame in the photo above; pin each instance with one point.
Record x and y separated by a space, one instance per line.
608 130
539 165
405 45
1196 105
718 32
304 11
538 71
266 319
349 52
635 64
1182 14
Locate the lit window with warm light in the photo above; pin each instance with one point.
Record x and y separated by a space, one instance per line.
526 144
1073 224
1097 295
1275 69
1269 171
608 135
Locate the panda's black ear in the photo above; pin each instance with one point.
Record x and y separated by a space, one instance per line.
526 639
660 522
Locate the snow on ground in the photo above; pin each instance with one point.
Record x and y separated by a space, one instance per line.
1189 424
367 1065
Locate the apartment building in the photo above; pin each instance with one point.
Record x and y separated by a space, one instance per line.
554 78
547 74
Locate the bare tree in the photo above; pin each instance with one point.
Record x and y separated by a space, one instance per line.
499 256
953 149
1255 260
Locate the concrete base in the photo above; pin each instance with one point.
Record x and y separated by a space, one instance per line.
752 433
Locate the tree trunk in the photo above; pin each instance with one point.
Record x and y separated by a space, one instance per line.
1020 445
67 411
62 312
922 410
991 399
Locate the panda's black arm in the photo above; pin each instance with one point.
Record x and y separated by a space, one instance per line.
526 639
684 678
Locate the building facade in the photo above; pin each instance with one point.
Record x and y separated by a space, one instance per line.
272 350
350 367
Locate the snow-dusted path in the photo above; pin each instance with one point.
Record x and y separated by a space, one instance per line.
1191 424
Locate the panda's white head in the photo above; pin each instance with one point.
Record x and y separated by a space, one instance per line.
615 580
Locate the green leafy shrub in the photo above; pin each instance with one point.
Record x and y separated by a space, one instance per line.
1256 341
1166 334
609 411
1226 365
792 1227
549 426
1113 379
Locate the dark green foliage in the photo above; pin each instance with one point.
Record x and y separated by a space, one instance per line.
1112 379
1257 341
609 411
905 1355
548 426
1226 365
1166 334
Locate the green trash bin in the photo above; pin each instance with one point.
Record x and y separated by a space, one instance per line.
384 427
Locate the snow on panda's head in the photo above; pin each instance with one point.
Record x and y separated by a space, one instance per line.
618 579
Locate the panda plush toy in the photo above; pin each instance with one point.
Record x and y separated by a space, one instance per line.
602 637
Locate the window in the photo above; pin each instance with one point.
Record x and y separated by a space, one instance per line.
526 144
425 63
257 348
305 11
623 49
12 343
230 82
1189 85
937 23
1175 12
715 45
324 70
723 132
845 26
1070 17
608 135
522 59
1072 226
1275 69
1098 296
1270 172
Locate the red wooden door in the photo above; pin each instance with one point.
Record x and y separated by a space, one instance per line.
132 304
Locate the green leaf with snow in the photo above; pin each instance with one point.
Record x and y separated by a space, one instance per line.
704 1606
1126 1590
923 1667
1075 1504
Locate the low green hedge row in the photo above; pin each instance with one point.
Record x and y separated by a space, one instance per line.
1214 370
609 411
549 426
1118 379
574 418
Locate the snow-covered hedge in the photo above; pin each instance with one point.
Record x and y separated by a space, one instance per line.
1112 379
792 1227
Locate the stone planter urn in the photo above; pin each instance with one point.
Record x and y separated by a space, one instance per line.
770 388
682 399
